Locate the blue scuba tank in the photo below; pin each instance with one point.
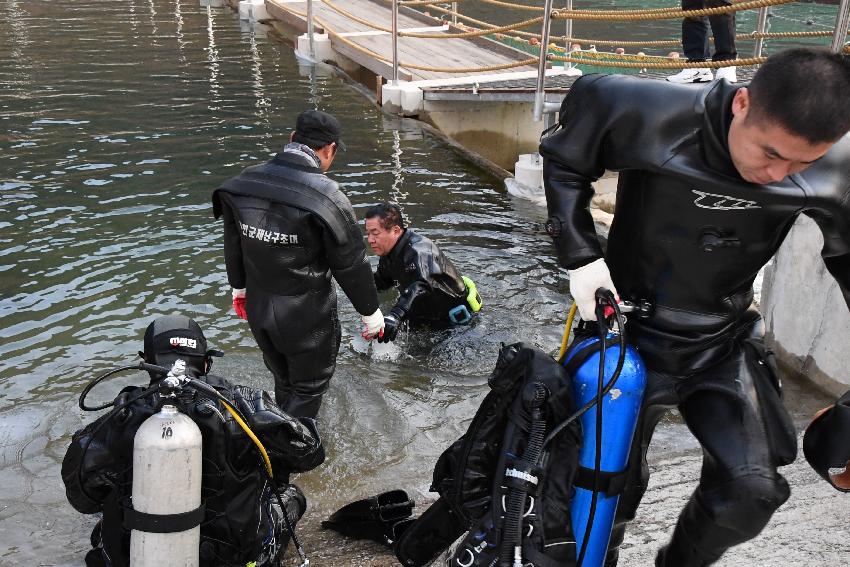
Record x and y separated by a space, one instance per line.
620 408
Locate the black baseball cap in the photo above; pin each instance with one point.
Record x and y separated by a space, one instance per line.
318 129
176 336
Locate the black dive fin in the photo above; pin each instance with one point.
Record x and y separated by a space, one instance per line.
380 518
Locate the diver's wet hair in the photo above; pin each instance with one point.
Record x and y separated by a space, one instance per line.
389 214
805 91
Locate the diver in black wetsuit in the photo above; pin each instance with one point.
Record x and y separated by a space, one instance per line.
432 290
242 523
287 229
712 177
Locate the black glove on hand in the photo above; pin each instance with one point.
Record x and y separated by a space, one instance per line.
392 322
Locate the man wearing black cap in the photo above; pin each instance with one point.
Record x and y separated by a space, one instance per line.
287 229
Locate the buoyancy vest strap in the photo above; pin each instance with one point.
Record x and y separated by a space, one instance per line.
538 559
610 483
162 523
293 194
576 360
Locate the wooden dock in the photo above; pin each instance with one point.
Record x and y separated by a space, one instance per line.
347 35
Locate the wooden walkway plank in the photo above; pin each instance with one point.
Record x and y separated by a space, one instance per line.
438 53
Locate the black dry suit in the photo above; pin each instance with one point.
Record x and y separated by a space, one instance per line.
429 284
287 229
241 522
497 482
689 236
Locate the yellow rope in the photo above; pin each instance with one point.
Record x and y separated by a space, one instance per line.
351 16
476 33
482 69
565 339
630 43
526 7
463 35
653 63
513 6
752 36
636 15
424 2
584 59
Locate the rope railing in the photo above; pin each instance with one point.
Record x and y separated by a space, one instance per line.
675 12
514 30
478 69
615 15
462 35
651 62
424 2
671 14
751 36
526 7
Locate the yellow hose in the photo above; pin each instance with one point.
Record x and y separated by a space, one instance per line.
250 433
566 336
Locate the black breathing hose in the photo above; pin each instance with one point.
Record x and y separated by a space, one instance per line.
534 398
97 381
606 297
584 409
147 392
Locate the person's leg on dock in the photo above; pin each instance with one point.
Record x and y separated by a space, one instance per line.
723 30
694 46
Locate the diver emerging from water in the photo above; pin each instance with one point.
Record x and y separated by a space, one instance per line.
431 289
242 521
711 180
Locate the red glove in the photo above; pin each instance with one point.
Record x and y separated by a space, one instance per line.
239 303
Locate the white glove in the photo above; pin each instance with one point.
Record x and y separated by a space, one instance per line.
585 281
374 325
237 292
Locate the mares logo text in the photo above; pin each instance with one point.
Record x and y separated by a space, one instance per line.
722 202
183 342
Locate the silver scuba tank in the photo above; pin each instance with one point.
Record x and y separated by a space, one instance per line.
166 490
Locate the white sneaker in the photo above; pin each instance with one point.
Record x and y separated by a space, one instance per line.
699 75
727 73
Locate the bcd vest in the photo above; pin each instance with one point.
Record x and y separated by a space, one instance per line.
497 463
97 471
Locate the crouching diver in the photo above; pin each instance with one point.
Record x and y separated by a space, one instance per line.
432 291
248 507
712 178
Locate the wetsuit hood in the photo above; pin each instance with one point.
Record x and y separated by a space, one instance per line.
717 119
295 161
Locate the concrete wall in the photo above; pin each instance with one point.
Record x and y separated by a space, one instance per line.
807 319
498 131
